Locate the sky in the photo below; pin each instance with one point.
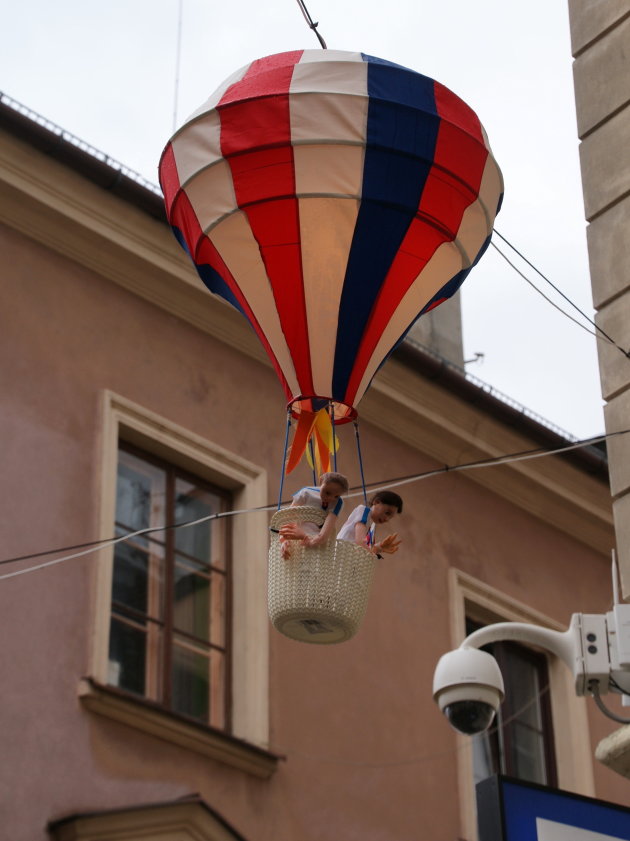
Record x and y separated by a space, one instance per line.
109 74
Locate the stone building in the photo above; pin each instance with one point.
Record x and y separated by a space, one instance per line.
600 38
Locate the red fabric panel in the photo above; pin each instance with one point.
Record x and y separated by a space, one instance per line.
204 253
265 76
452 109
262 124
262 175
169 177
452 185
416 250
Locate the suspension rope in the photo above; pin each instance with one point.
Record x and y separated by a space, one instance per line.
284 457
311 24
356 435
331 413
311 450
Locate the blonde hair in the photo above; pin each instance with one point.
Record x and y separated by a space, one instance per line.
338 478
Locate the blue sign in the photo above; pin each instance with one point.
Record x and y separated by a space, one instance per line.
512 810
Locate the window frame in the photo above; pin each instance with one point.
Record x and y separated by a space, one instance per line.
124 420
472 598
163 684
500 745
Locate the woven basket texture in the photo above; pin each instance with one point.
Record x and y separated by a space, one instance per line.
317 595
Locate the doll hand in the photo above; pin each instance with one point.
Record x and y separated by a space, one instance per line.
291 531
388 545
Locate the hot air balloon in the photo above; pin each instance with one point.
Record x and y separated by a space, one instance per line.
333 198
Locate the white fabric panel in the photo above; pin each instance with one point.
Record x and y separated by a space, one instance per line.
473 232
327 226
237 246
478 219
331 77
211 193
310 56
445 263
491 188
197 146
328 170
328 116
214 98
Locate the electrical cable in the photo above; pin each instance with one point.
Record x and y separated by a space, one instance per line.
105 543
417 760
562 295
594 688
549 301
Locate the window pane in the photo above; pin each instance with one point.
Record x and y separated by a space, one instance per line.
191 610
484 759
522 684
192 503
127 657
138 576
140 493
527 760
190 682
130 585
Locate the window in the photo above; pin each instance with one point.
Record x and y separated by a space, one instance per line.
520 742
169 630
563 716
193 669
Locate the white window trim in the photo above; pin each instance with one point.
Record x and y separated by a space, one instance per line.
574 756
125 420
190 819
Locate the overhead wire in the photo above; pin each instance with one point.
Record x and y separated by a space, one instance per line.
556 289
94 546
549 301
421 758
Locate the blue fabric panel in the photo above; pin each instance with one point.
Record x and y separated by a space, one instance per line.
402 127
210 277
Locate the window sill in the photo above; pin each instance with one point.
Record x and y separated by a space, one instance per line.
150 718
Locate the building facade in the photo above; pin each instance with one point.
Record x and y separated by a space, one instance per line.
145 694
600 40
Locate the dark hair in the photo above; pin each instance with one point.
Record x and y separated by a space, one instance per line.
337 478
388 498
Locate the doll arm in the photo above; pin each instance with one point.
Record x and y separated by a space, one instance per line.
327 531
360 533
292 531
388 545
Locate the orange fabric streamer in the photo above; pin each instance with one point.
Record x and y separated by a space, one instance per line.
301 437
315 426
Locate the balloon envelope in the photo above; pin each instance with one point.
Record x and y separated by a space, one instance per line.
333 198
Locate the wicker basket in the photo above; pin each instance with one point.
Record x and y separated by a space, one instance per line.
317 595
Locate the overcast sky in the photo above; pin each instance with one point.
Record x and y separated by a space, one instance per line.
106 73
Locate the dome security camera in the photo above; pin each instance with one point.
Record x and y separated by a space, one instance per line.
468 688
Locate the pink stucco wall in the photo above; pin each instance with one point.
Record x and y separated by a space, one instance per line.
368 755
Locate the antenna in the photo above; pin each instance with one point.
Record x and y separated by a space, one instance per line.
178 61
